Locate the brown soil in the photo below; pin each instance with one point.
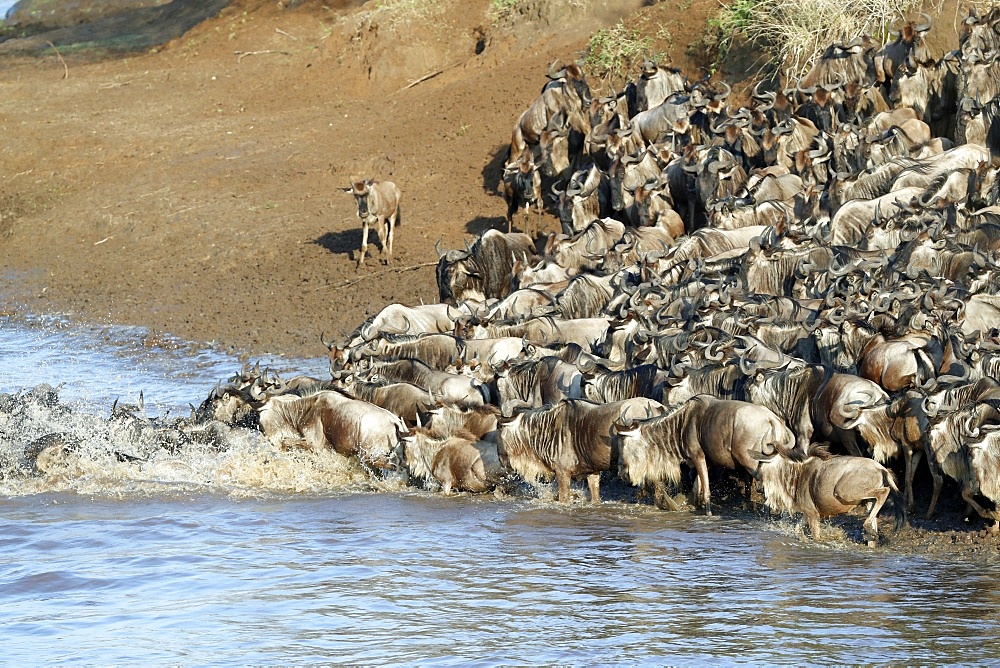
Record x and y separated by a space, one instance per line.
194 189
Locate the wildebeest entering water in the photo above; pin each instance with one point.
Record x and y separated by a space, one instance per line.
823 486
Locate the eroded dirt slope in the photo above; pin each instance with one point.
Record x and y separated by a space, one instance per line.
194 188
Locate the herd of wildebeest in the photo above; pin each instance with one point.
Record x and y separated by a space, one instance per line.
800 288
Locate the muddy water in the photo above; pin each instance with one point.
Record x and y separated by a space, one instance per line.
252 556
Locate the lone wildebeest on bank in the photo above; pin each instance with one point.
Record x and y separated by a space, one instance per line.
378 203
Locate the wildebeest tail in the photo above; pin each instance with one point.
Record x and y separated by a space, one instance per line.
896 501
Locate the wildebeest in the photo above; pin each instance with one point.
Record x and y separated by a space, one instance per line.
823 486
656 84
534 383
703 430
566 94
910 43
522 186
482 271
443 386
460 461
848 408
566 440
230 404
329 419
404 399
850 62
378 204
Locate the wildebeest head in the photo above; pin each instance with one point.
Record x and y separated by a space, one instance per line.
721 175
360 190
979 34
909 43
450 275
521 185
231 405
572 75
848 62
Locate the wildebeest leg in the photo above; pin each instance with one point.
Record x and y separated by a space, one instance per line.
701 467
390 230
938 477
912 460
364 242
384 228
662 498
871 524
813 522
563 481
594 484
982 512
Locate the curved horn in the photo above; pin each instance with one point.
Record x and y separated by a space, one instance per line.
894 27
819 152
727 89
968 431
850 413
926 25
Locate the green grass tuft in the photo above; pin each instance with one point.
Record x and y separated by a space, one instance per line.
614 54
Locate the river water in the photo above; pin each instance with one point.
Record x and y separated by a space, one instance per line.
252 556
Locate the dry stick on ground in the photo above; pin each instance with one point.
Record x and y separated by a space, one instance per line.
59 56
398 270
241 54
424 78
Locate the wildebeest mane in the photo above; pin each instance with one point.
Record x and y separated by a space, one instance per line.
584 297
638 381
876 182
789 392
661 458
533 446
525 377
725 381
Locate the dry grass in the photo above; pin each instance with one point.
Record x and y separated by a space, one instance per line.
798 31
509 12
392 13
